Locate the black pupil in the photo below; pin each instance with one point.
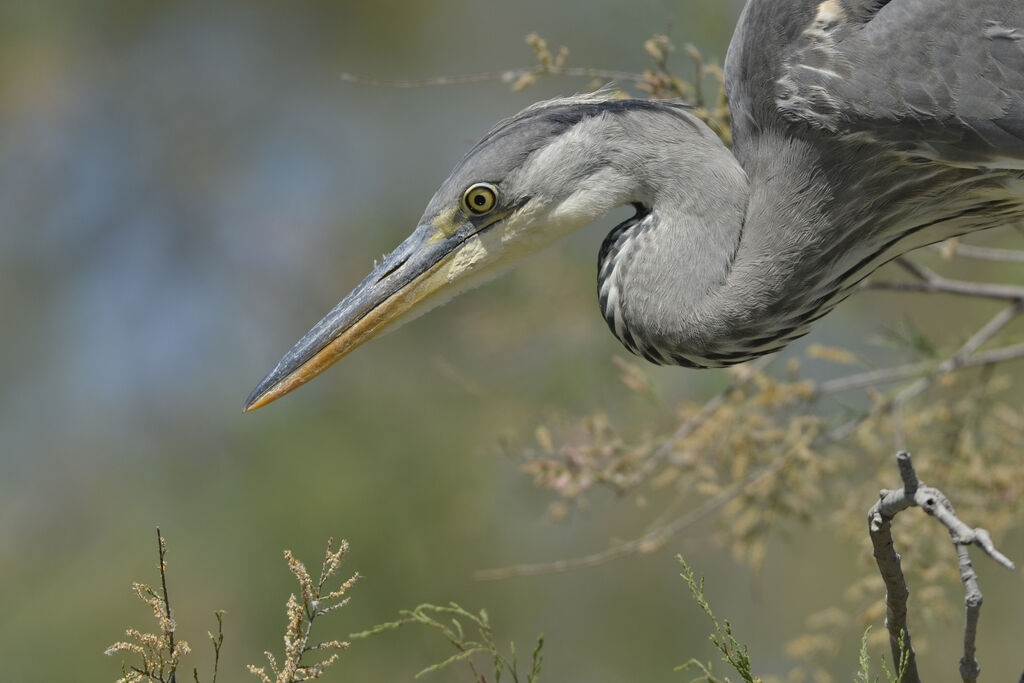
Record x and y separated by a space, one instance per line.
480 199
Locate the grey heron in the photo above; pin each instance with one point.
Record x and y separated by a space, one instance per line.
862 129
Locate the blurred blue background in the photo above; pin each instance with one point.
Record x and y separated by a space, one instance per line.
184 189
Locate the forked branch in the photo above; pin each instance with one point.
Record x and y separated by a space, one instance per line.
935 503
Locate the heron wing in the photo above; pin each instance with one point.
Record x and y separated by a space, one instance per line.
942 79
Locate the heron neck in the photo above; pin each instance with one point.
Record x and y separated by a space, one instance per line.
698 277
660 270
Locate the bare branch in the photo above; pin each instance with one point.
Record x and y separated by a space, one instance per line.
888 561
917 270
978 289
957 360
930 281
898 373
986 332
981 253
935 503
509 76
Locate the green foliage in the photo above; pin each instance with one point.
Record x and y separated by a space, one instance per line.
451 621
864 659
217 641
864 672
733 652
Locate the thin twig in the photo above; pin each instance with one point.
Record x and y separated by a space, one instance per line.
509 76
650 541
897 373
167 602
947 286
957 360
981 253
986 359
928 280
917 270
986 332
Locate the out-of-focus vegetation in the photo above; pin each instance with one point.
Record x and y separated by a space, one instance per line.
185 188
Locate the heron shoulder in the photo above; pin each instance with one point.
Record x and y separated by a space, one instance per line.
944 81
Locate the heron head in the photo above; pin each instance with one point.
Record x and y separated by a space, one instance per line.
531 180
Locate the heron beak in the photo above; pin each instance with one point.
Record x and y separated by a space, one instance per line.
403 286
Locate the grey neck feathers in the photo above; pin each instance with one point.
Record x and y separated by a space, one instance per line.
698 277
729 258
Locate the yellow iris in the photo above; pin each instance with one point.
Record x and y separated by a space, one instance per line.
480 198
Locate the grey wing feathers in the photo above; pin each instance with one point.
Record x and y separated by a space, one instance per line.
942 79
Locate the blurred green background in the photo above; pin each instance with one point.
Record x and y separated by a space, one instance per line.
184 189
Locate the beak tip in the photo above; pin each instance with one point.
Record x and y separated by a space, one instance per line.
260 396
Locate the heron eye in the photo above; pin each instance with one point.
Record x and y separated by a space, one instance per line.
480 198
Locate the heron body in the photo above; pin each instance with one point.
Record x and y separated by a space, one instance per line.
861 128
